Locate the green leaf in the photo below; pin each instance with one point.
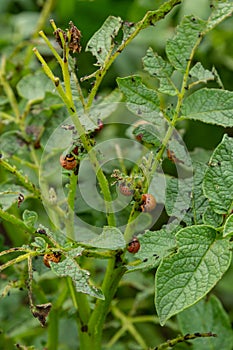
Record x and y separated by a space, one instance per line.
34 86
212 218
218 181
9 195
80 277
228 228
180 48
221 10
213 106
147 133
30 217
40 244
180 152
178 196
157 67
12 143
208 316
111 238
201 74
154 246
199 201
141 100
185 277
101 43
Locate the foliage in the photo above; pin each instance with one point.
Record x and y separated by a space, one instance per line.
105 212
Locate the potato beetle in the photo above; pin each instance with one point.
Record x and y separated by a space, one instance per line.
125 189
133 246
54 257
68 162
149 202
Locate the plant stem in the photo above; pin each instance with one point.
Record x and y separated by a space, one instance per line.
9 92
44 14
22 178
84 139
149 19
17 222
112 277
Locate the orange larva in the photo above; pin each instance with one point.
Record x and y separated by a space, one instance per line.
133 246
68 162
148 202
54 257
125 189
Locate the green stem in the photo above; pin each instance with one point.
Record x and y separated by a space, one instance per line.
112 278
9 92
71 203
84 139
53 326
151 18
81 304
22 178
44 14
17 260
17 222
127 324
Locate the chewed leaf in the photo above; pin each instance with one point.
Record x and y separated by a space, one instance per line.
147 133
80 277
162 70
221 10
212 106
141 100
100 44
184 278
180 48
201 74
218 180
154 246
10 193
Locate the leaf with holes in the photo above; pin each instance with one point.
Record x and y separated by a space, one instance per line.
141 100
162 70
102 42
154 246
180 48
80 277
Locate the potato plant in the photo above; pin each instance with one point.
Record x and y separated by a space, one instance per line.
116 233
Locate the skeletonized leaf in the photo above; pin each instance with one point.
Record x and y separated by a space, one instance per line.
179 49
218 180
221 10
80 277
212 106
185 277
141 100
201 74
101 42
178 196
157 67
208 316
